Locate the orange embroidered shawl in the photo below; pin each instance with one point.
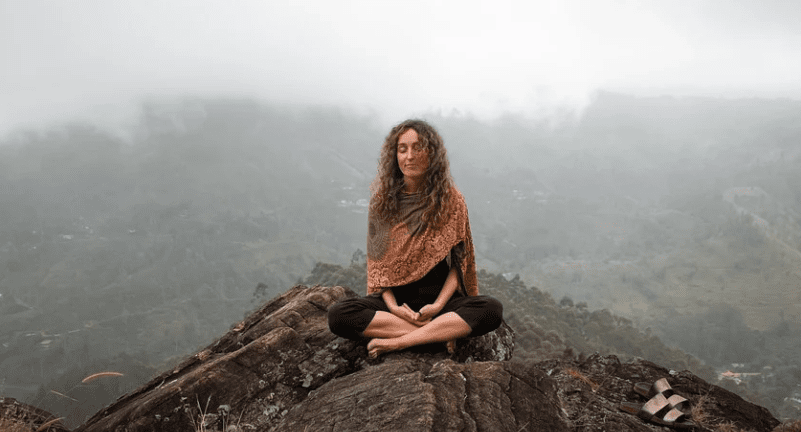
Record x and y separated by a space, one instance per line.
405 252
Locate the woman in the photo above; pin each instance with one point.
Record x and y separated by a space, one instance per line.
421 271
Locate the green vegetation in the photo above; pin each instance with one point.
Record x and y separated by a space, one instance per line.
127 252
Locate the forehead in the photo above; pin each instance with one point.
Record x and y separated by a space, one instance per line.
407 137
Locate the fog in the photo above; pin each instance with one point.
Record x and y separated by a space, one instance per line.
166 167
98 59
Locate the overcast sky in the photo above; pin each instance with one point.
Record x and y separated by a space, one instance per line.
62 59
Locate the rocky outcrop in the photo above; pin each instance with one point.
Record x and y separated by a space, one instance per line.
16 416
282 370
255 374
591 390
406 394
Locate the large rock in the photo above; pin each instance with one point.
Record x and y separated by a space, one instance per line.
266 365
16 416
411 395
282 370
591 390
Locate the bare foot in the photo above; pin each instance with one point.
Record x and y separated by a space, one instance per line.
451 346
377 346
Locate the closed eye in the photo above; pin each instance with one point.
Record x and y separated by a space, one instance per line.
417 147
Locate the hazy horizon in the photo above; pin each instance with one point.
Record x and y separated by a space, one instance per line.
98 61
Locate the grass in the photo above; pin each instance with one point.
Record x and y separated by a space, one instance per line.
7 425
14 419
202 418
727 427
700 412
205 420
702 416
791 426
100 375
46 426
583 378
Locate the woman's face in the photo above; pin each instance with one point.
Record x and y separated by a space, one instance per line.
412 157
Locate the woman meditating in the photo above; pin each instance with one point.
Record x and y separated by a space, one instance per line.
421 270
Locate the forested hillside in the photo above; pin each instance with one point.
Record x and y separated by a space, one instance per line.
680 217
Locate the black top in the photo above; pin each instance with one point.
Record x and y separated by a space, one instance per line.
434 278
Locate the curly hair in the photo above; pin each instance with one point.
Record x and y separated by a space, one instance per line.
388 184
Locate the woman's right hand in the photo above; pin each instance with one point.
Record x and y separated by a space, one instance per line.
407 314
404 312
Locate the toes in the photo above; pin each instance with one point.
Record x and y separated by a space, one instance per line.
373 350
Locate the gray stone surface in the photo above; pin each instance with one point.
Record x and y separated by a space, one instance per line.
281 369
266 365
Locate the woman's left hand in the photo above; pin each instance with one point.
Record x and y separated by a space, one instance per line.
428 311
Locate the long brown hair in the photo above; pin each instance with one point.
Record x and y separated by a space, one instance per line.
388 184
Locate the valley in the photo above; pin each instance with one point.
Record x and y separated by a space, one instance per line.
127 255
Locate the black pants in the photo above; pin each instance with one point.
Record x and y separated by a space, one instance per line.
350 317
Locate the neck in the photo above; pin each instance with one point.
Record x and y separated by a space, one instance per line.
412 185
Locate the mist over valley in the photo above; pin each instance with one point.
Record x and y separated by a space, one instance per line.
127 251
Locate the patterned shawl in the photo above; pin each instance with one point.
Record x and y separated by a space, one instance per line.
404 252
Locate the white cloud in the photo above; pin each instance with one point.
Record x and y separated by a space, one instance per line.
397 57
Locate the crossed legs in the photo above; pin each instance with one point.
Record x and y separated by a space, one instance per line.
368 317
392 333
